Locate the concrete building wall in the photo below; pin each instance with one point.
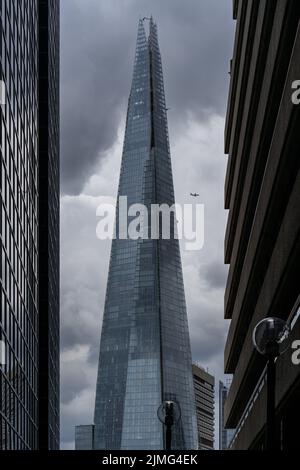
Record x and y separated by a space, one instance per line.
262 194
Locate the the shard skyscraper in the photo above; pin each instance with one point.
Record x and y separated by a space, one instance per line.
145 355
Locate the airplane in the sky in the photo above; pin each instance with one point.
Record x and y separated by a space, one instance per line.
194 194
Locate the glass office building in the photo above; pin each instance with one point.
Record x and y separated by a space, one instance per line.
145 353
29 144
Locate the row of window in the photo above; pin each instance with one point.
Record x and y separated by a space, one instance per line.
19 206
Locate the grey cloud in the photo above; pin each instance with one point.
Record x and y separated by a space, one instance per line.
98 40
207 331
84 263
80 326
214 274
74 380
207 344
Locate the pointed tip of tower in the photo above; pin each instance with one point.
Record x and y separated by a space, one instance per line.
152 22
152 27
141 29
141 39
153 30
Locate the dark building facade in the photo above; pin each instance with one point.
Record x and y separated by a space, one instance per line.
49 224
204 385
29 322
262 193
145 355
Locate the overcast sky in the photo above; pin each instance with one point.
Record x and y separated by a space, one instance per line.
97 51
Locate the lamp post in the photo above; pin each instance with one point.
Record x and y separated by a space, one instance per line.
270 339
169 413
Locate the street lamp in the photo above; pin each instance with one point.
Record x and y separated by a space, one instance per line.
169 413
270 338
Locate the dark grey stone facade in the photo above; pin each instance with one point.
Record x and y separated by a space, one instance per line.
262 194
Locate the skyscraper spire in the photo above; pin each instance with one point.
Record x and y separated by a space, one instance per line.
141 36
145 355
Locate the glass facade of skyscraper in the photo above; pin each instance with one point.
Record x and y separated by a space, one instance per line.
21 119
19 224
145 353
